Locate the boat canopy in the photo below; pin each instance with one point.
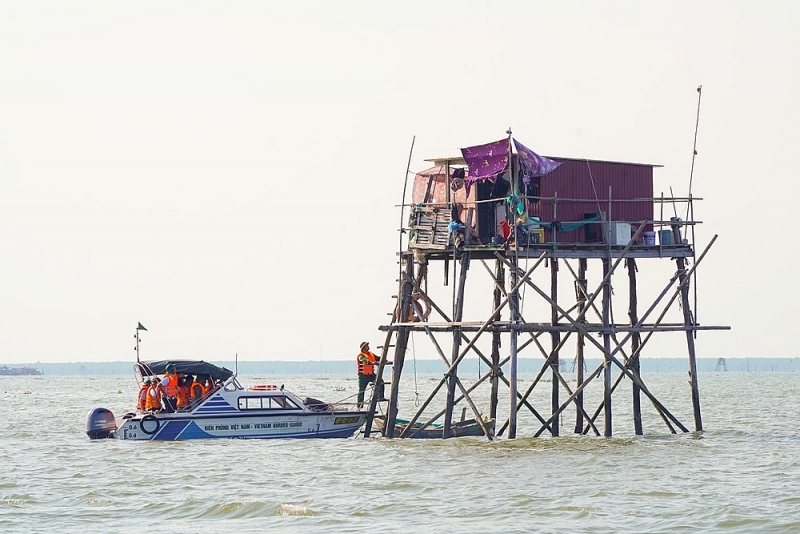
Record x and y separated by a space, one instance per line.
195 367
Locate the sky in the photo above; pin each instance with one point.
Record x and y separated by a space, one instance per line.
229 173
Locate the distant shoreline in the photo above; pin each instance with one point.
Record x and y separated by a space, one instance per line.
339 367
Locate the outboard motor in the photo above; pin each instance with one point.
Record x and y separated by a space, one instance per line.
100 424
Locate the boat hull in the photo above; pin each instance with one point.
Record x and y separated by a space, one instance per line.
230 411
174 427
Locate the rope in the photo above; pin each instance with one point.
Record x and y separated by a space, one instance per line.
414 356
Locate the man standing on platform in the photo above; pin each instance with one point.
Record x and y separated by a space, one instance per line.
366 373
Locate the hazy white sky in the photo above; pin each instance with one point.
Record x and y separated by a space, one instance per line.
227 172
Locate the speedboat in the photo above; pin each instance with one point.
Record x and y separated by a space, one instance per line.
228 411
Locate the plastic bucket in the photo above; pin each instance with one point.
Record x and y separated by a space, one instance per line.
665 237
649 238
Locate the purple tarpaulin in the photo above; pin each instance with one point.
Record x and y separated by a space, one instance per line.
485 161
532 163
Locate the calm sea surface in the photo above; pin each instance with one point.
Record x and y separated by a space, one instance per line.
741 474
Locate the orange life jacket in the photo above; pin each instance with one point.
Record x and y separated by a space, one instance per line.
142 399
183 396
196 391
153 401
172 387
366 363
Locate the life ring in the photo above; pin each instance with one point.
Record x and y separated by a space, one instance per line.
421 307
149 417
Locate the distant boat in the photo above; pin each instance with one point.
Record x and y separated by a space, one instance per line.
19 371
229 411
468 427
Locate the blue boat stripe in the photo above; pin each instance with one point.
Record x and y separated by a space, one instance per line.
170 430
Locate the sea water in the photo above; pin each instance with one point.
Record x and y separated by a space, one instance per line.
741 474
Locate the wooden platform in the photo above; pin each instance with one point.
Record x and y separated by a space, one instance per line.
563 250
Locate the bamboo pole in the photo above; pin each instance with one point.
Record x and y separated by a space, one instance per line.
631 364
495 383
579 357
514 334
571 398
607 427
444 316
471 342
660 412
464 392
458 312
635 344
399 353
665 414
523 399
545 365
555 339
689 320
565 385
627 372
675 277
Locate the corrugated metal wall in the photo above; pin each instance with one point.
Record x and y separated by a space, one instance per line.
588 182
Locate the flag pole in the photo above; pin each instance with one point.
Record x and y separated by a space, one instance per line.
139 326
511 164
513 302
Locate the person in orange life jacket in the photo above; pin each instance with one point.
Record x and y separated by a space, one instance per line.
141 399
170 386
196 391
366 373
153 402
183 391
209 385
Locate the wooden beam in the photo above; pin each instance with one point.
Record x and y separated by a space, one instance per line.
689 320
635 344
607 427
580 295
555 340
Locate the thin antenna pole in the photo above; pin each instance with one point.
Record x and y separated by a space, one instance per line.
671 194
403 204
690 207
696 127
512 180
139 326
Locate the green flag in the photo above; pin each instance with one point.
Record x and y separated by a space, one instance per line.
141 327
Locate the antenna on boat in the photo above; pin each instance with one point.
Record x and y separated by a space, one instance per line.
136 335
236 365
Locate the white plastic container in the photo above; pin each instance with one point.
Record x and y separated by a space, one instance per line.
619 232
